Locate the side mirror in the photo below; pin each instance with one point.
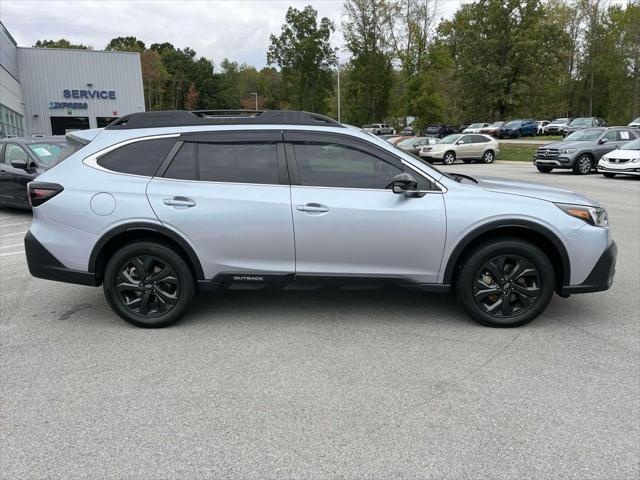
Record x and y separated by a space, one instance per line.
403 183
20 163
603 140
459 142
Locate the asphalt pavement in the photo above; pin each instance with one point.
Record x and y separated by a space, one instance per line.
323 384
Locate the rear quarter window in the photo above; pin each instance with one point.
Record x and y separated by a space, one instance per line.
138 158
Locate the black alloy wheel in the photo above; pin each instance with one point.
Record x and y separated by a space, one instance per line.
148 285
506 286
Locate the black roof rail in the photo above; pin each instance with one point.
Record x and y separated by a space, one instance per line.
179 118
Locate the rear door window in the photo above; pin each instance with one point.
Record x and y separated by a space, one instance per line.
479 139
138 158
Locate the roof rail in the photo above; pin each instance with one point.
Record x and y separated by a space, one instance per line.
178 118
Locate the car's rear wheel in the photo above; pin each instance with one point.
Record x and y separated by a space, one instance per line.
488 157
449 158
583 165
608 174
505 283
544 168
148 284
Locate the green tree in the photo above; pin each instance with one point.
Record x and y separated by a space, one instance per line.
304 55
125 44
62 43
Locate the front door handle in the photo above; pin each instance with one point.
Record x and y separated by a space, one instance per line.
179 202
313 207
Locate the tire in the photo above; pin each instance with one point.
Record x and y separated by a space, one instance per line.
449 158
608 174
488 157
544 168
583 165
505 282
166 301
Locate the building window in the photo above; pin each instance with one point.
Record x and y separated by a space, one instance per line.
11 123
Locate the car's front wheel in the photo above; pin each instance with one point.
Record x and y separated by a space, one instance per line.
583 165
148 284
449 158
505 282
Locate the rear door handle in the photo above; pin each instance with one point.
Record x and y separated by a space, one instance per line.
179 202
313 207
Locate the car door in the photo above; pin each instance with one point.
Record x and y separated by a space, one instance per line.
227 193
465 147
13 180
348 224
610 143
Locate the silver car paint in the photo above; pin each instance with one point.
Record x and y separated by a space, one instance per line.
364 232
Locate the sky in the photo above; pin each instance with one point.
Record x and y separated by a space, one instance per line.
216 29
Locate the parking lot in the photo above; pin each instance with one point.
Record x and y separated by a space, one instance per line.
324 384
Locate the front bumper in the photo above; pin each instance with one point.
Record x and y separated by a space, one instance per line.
42 264
601 276
628 168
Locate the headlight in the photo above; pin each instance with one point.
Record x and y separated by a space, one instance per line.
595 216
635 160
568 150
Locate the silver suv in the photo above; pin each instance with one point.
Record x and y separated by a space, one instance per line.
158 206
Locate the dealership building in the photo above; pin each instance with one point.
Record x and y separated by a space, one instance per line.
51 91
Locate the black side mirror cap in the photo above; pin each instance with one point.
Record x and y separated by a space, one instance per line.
403 182
19 163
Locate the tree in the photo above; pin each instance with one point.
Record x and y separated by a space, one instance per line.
304 55
126 44
153 77
62 43
192 97
369 75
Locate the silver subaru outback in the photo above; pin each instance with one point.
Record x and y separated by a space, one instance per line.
160 205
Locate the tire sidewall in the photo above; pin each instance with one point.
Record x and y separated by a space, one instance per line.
492 249
577 168
167 254
452 156
488 157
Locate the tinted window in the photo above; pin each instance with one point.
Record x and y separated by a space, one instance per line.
611 136
238 162
14 152
138 158
467 139
479 139
625 136
184 165
333 165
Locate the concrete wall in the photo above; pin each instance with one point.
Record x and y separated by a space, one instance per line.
46 73
11 94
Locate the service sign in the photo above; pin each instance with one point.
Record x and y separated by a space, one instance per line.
90 94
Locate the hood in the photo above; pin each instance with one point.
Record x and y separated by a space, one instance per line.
534 190
567 145
624 154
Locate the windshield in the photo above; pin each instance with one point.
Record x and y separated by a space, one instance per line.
513 123
495 125
450 139
476 125
47 153
637 120
581 122
407 141
560 120
583 136
635 145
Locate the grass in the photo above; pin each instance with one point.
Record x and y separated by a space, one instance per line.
519 153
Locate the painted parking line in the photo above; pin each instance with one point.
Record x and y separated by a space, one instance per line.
21 252
14 245
12 234
2 225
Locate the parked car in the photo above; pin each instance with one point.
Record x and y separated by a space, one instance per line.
581 150
439 130
517 129
378 129
388 137
541 126
407 131
462 128
463 146
475 128
635 123
160 205
583 122
556 126
623 161
492 129
396 140
21 160
414 144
